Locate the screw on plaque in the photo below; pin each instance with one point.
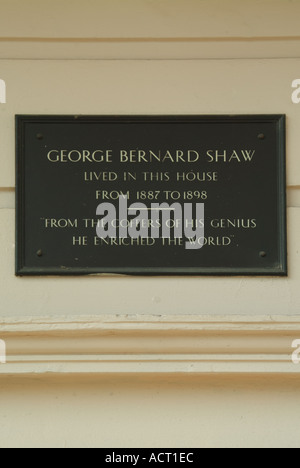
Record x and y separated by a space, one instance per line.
261 136
263 254
40 136
39 253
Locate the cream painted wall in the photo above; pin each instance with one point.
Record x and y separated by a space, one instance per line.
172 412
149 18
186 56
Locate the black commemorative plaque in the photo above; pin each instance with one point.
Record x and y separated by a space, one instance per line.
160 195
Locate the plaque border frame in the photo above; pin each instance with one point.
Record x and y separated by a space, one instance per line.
278 119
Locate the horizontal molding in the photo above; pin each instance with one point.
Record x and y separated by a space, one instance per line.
153 39
211 364
150 344
149 48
